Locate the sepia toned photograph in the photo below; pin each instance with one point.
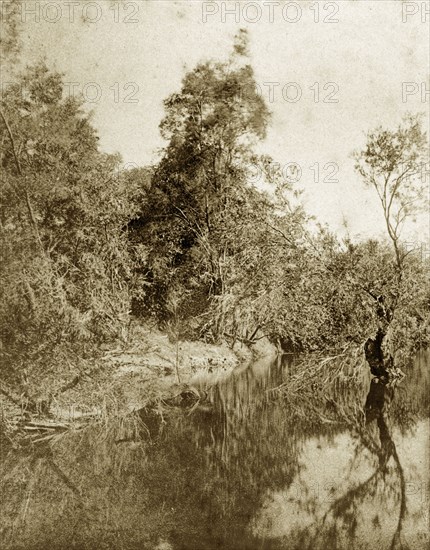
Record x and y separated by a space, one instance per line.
214 275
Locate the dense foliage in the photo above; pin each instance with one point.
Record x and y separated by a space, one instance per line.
189 241
65 267
235 262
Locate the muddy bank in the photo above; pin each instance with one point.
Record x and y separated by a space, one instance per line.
127 376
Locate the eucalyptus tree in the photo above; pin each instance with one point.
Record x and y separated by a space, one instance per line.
393 163
199 190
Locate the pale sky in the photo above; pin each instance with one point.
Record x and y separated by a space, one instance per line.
140 51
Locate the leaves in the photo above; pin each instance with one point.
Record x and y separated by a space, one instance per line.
65 205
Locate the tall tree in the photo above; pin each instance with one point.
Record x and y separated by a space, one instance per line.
210 126
393 164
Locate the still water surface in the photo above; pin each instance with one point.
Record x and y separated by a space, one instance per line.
245 468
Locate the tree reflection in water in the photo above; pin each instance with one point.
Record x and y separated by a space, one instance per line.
244 469
346 521
345 507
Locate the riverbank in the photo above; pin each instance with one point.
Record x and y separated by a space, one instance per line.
144 369
147 368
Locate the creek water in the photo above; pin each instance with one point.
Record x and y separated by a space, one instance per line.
245 468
